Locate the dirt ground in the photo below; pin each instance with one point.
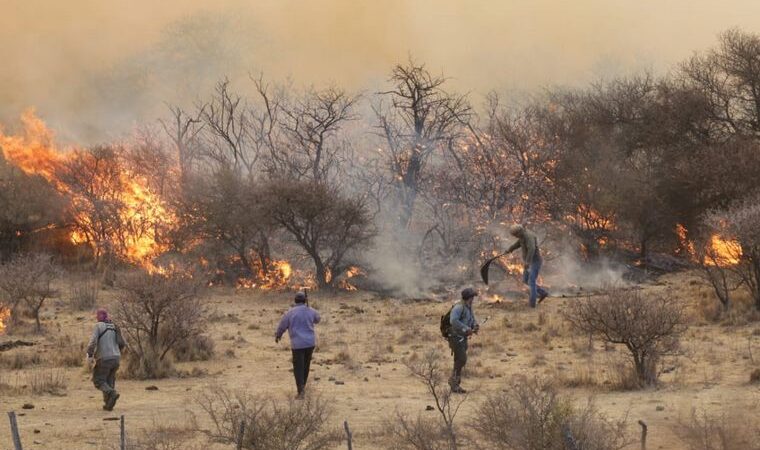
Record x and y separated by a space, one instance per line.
358 366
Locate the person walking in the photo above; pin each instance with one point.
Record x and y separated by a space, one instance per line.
299 322
463 325
532 262
104 348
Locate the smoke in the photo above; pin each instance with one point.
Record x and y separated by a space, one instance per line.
96 69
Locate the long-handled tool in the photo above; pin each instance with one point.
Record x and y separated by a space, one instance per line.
484 268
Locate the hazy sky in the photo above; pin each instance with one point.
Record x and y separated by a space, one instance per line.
94 68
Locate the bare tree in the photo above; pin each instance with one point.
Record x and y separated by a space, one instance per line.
312 148
324 222
157 312
648 325
182 129
730 78
420 119
27 281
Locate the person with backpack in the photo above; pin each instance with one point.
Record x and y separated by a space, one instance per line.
299 322
532 261
462 325
105 347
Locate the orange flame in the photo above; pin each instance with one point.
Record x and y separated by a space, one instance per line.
723 252
5 314
350 273
36 154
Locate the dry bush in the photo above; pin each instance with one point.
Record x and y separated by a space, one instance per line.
429 434
20 359
46 381
718 431
195 348
648 325
83 293
157 312
25 282
70 352
270 423
531 415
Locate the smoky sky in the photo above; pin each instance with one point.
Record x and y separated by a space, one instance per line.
94 69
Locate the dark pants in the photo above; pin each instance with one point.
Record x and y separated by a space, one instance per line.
301 364
104 376
530 277
458 345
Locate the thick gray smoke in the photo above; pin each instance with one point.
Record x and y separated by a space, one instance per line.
94 70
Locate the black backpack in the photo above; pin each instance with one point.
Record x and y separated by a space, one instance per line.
446 324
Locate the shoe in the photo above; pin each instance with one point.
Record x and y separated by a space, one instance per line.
111 401
458 390
542 297
300 396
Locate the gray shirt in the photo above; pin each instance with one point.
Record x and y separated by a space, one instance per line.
106 341
462 319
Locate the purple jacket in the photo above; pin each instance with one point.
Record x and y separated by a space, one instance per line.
299 321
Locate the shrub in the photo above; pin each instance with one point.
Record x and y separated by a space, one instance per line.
83 294
718 431
648 325
531 415
26 281
196 348
270 423
157 312
47 382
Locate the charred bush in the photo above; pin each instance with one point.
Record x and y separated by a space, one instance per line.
648 325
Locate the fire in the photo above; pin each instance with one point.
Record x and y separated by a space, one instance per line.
276 277
723 252
683 239
5 314
350 273
141 211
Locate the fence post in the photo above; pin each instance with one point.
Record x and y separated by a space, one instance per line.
570 442
349 435
14 431
241 435
122 434
643 435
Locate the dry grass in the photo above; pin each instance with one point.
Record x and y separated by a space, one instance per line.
704 430
52 382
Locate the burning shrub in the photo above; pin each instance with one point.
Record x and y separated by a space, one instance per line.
28 205
269 423
157 313
649 326
741 255
26 282
227 207
531 414
327 224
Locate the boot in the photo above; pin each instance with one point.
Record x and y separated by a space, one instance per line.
112 397
455 387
